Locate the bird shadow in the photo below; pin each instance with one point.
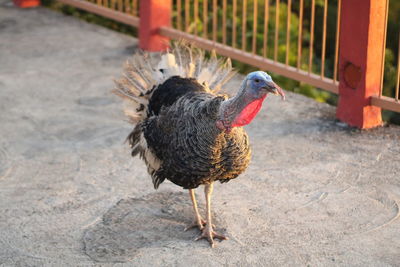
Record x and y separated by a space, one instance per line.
134 224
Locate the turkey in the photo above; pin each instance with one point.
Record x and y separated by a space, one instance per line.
184 130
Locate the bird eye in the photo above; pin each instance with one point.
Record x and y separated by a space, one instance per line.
257 80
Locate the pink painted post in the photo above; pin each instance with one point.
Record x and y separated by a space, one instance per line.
153 15
360 61
26 3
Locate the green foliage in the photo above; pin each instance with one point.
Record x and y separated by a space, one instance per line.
200 26
391 58
246 34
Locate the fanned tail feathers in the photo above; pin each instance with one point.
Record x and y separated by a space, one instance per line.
143 73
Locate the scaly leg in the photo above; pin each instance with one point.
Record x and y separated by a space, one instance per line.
208 231
198 222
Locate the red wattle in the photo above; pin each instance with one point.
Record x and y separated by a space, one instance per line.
248 113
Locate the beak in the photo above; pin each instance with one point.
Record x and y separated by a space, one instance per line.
275 89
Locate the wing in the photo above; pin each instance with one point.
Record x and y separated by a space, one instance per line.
183 137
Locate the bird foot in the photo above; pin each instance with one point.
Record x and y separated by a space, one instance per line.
196 223
209 234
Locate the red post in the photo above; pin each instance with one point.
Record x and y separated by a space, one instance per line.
26 3
360 61
154 14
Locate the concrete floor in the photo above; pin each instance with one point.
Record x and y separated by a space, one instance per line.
317 193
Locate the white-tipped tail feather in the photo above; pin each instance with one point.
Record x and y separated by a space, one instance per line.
143 73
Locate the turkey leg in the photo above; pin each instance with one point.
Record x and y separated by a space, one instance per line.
198 222
208 232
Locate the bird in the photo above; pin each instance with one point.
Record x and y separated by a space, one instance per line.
184 129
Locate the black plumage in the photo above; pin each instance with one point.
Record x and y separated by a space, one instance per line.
183 134
171 90
184 131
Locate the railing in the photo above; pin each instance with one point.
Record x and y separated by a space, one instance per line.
287 37
125 11
267 34
197 21
388 97
126 6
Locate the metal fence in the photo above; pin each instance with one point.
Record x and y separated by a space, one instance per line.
125 11
388 97
126 6
270 34
287 37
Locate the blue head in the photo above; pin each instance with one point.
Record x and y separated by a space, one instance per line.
260 83
241 109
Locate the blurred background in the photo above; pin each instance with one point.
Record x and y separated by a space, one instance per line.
289 42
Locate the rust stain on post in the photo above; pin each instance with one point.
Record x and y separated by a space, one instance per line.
352 75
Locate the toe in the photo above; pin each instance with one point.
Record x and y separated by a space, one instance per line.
199 237
208 237
188 228
195 224
219 236
209 234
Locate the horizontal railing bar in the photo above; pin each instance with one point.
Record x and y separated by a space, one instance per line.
385 102
103 11
331 85
255 60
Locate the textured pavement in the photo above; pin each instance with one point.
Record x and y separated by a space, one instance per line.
317 193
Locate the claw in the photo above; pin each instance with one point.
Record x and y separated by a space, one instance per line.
210 234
